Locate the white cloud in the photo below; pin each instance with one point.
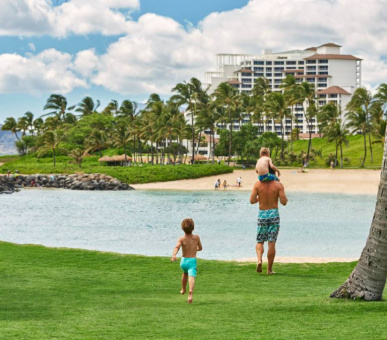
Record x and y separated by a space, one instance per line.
40 17
157 52
48 72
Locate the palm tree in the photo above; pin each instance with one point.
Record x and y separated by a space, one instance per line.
306 95
97 141
37 125
189 94
358 122
121 135
87 106
77 156
112 108
363 100
10 124
338 133
58 104
277 107
50 142
23 125
368 279
226 96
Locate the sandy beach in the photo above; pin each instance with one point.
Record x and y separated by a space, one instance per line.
315 180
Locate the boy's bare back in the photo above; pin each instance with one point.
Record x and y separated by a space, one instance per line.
190 245
262 166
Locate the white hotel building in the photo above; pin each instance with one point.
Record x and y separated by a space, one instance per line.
335 76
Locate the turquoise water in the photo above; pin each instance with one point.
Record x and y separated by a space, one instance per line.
148 222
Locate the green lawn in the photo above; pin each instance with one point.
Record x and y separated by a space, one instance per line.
354 151
131 175
74 294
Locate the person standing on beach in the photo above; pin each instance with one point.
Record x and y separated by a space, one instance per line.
267 194
191 244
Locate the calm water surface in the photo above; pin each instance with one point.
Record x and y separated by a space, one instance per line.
148 222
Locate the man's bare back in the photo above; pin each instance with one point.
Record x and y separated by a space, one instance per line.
267 194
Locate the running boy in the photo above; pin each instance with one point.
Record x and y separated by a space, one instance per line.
264 165
190 244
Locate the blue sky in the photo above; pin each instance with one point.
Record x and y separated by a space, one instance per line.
128 49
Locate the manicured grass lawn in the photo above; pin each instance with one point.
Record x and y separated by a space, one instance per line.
74 294
354 151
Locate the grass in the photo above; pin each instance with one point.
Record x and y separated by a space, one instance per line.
354 152
131 175
75 294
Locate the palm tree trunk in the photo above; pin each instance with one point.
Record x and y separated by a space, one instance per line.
365 150
283 139
53 156
337 151
341 155
368 279
369 139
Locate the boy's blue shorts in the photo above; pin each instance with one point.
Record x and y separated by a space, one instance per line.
188 265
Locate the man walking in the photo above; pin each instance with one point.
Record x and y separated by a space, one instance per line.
267 194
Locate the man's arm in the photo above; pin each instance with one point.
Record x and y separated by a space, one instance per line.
254 198
176 250
199 247
282 196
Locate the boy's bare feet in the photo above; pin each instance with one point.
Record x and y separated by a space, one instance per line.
190 296
270 273
182 291
259 268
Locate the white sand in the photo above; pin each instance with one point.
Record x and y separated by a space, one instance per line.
315 180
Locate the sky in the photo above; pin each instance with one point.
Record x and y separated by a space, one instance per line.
128 49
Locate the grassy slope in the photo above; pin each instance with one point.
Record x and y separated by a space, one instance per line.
74 294
354 151
132 175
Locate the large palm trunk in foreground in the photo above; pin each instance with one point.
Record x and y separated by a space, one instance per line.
368 279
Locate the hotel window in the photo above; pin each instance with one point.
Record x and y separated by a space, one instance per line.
279 63
323 61
322 85
323 73
246 80
311 61
323 79
277 74
268 74
310 80
299 115
291 62
334 95
290 68
311 68
258 62
321 102
323 68
288 121
258 68
245 74
277 81
269 63
258 74
268 69
278 69
301 62
322 95
311 73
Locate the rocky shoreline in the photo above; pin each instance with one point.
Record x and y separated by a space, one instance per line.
11 184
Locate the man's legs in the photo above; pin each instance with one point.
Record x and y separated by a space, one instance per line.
191 281
259 249
270 257
184 279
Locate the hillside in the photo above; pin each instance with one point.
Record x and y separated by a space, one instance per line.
7 143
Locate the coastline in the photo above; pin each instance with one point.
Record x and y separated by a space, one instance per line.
314 181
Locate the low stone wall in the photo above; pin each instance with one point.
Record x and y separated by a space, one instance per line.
73 182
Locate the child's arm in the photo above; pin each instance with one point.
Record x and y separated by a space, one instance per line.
176 250
274 167
199 247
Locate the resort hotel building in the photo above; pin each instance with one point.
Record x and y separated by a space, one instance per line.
335 77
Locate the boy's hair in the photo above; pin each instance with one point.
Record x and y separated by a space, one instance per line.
188 225
264 152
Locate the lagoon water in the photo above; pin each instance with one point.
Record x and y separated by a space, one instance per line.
148 222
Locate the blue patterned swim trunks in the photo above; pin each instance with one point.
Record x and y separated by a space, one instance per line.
268 225
268 177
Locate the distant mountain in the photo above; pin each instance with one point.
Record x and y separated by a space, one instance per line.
7 143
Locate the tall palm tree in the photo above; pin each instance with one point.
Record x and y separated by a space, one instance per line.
121 135
358 123
10 124
368 278
189 94
363 100
338 132
58 104
97 141
277 107
226 96
23 125
306 96
87 106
